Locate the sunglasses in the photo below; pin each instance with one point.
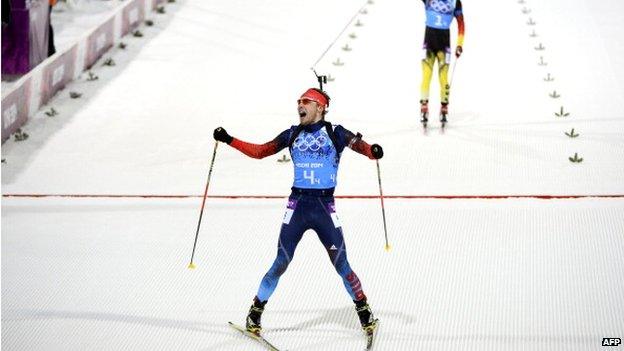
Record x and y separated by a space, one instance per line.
304 101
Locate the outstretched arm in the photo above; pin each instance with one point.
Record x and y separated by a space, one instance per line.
253 150
355 143
460 30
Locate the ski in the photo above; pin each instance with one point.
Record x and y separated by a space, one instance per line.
257 337
370 336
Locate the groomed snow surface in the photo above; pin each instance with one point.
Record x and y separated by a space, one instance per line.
110 273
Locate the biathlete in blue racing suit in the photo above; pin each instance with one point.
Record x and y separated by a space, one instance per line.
315 147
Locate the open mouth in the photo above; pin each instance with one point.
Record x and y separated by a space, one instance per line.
302 112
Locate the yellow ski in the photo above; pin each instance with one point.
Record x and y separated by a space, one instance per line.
259 338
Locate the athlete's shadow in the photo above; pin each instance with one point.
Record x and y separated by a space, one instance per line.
345 317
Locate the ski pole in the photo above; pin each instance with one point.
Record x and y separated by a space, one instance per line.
201 212
383 210
453 72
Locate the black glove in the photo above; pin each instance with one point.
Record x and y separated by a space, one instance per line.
221 135
377 151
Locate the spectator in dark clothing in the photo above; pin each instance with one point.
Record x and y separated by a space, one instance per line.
51 48
6 12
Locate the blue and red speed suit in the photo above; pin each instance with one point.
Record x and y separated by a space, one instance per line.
315 150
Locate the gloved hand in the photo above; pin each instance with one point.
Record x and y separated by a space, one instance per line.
458 51
221 135
377 151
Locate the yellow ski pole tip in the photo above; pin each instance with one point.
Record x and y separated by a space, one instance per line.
388 247
191 266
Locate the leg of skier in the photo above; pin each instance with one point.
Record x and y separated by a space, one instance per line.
291 233
443 58
427 72
329 232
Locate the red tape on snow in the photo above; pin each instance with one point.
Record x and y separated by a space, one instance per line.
416 197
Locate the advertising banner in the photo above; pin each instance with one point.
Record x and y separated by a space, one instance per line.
15 109
133 14
99 42
57 74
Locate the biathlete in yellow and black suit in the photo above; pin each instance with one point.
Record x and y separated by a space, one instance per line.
437 46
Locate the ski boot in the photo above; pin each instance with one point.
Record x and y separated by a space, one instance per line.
367 319
443 114
254 316
424 112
